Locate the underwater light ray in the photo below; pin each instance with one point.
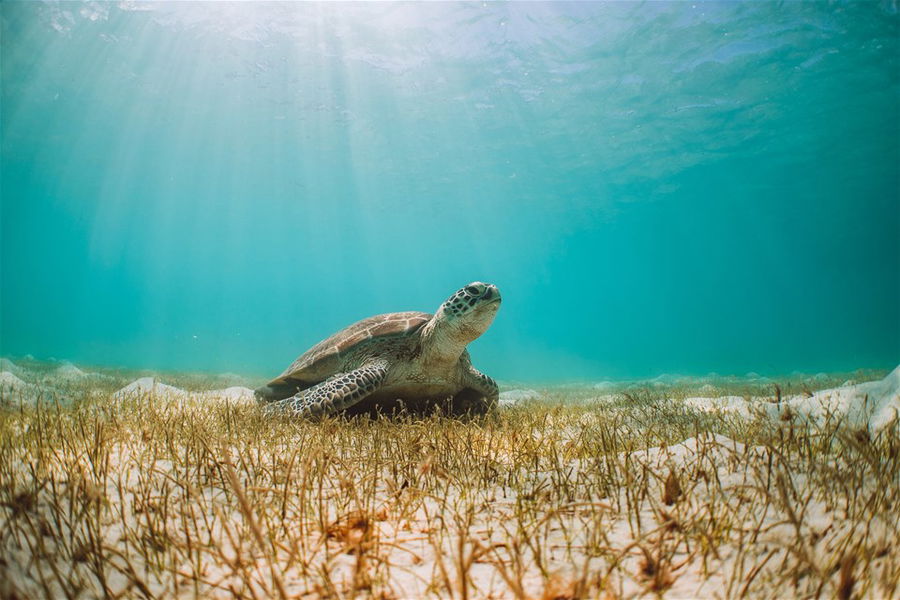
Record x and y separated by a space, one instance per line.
129 172
417 150
148 208
347 83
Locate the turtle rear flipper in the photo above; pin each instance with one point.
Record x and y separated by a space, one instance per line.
335 393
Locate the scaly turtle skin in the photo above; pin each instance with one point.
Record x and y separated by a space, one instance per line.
408 359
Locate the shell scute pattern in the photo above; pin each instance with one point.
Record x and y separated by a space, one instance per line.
387 328
353 340
354 337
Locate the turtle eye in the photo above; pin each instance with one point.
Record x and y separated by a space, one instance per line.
472 290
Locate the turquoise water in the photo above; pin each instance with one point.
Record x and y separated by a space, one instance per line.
664 187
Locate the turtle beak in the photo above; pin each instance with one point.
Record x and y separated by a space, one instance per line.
491 294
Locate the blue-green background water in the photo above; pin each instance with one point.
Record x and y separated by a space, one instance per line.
664 187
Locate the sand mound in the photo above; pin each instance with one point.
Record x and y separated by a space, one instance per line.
8 366
69 371
14 391
151 387
10 381
874 404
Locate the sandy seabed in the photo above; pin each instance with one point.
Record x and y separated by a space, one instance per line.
114 485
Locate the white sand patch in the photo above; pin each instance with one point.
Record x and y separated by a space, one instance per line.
721 449
514 397
150 387
716 470
874 404
726 404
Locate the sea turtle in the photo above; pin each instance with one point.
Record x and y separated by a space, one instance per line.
407 359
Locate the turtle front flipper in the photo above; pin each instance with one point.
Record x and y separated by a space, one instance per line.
335 394
479 395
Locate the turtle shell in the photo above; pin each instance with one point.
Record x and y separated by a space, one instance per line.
326 358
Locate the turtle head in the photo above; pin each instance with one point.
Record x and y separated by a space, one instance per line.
468 313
